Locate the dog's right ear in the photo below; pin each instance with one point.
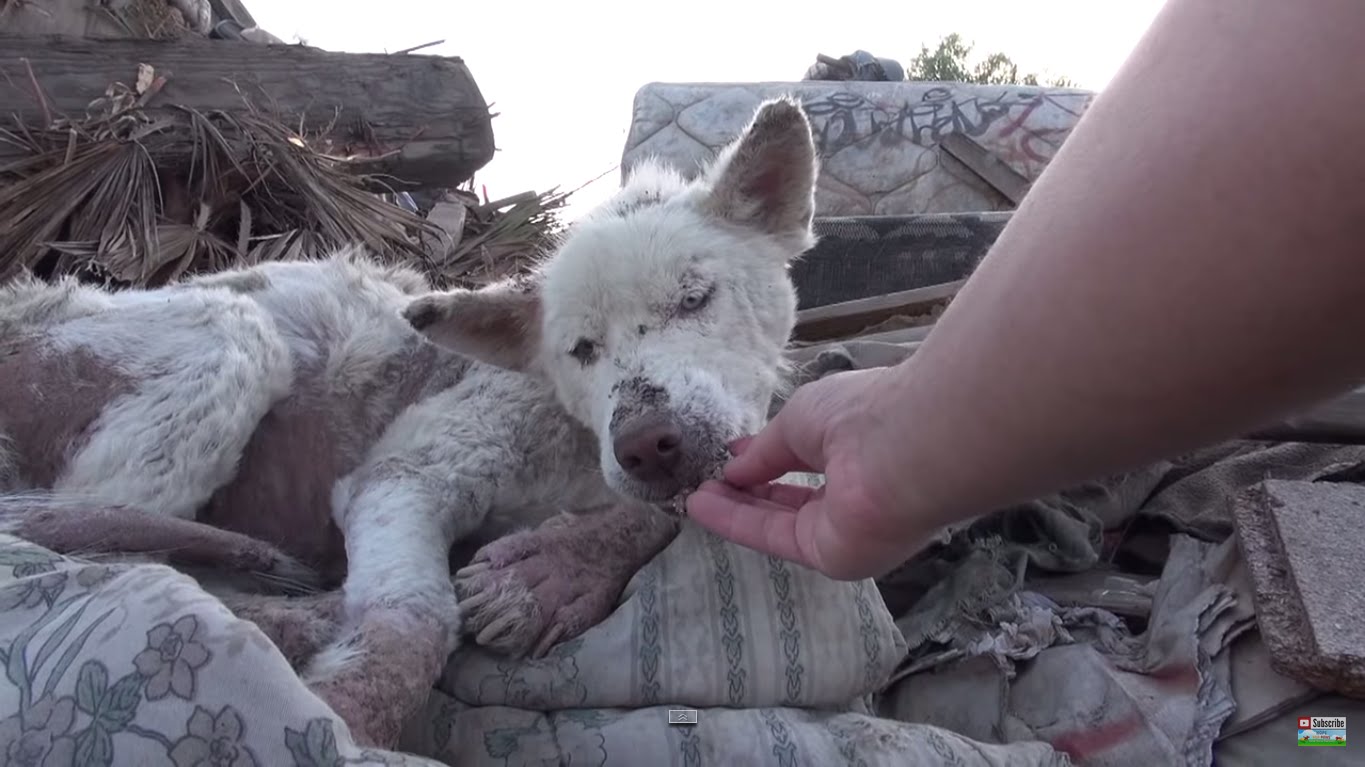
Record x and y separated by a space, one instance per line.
498 324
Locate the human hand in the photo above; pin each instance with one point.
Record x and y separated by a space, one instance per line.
859 523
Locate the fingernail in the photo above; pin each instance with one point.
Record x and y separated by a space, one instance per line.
740 444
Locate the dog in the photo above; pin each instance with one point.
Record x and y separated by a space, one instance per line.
338 421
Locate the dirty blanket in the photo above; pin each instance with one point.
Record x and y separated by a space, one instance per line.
1114 620
135 664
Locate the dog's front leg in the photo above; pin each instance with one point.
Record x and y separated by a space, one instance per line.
530 590
401 615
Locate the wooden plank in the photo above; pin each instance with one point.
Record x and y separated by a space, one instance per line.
898 336
907 338
870 353
851 317
1001 177
420 119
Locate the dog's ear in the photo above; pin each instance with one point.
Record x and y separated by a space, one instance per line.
766 179
498 324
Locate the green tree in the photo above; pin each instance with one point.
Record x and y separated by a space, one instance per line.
948 63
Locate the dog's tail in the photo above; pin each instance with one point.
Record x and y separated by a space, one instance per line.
90 529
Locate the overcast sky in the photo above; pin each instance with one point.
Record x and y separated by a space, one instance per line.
563 74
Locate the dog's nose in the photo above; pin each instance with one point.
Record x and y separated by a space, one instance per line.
649 448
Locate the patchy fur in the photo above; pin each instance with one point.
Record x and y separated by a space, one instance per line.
71 390
298 404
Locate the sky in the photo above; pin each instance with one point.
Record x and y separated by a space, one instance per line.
562 76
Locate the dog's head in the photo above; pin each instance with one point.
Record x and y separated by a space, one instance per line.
662 318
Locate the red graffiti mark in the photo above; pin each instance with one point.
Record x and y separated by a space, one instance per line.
1035 144
1181 676
1080 744
1018 122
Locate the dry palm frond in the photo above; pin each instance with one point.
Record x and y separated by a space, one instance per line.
508 237
502 243
144 198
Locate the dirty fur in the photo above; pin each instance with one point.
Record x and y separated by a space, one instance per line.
360 423
673 297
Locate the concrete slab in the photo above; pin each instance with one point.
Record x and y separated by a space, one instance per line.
1304 544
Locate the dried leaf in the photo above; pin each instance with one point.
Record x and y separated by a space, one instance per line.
145 73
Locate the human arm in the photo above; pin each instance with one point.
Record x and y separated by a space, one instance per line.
1187 267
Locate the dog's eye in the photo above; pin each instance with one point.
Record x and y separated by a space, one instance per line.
584 351
695 300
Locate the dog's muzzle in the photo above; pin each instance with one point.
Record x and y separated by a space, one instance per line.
665 454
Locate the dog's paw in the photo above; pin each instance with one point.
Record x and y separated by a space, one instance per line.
526 592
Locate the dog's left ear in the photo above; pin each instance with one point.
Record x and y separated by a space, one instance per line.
498 324
766 179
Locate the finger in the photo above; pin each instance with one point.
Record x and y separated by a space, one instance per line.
830 554
787 496
740 445
759 527
782 496
741 497
767 456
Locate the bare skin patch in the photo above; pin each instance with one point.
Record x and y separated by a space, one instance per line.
399 654
49 401
312 438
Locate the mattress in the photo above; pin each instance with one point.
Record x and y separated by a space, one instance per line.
878 141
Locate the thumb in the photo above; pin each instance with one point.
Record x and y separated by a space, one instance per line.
771 453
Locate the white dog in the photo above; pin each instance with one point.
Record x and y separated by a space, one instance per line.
291 407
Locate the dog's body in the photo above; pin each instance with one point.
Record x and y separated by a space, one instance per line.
298 404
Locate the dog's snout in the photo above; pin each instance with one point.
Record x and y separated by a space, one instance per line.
649 448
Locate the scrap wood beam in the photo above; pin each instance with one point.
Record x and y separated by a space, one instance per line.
1002 178
420 121
849 318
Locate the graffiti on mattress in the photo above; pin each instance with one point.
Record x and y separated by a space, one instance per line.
1028 121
